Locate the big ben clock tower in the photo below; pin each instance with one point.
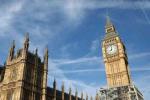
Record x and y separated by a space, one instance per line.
115 58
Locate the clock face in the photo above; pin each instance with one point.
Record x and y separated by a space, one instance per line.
111 49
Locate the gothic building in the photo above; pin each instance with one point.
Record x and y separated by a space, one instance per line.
119 83
24 77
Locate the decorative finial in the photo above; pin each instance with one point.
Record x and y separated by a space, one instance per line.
12 50
91 98
86 96
81 95
54 79
108 21
13 44
26 41
46 51
27 36
70 90
76 94
36 51
54 84
63 86
109 28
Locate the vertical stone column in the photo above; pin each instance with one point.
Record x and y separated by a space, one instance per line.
45 72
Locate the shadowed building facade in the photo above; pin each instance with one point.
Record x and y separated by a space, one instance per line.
24 77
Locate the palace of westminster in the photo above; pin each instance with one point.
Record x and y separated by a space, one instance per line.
24 75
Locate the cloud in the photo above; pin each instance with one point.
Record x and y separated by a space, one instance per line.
79 60
8 12
80 71
46 20
139 55
59 74
95 4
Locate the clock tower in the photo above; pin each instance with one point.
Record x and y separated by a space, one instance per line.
115 58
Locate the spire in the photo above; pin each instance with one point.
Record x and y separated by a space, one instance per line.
70 90
109 25
91 98
81 95
76 94
26 41
54 89
86 97
63 87
54 83
63 91
46 59
97 97
108 21
45 70
36 51
46 53
12 50
70 94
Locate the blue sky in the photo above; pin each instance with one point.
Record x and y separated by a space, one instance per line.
73 31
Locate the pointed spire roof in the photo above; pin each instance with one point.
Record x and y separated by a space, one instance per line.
91 98
82 95
46 51
12 50
54 83
86 96
36 51
110 29
13 44
26 37
76 93
26 41
70 90
63 87
108 21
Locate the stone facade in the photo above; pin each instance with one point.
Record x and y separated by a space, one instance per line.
119 83
115 58
24 77
129 92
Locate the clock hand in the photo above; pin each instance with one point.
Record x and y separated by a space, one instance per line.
111 48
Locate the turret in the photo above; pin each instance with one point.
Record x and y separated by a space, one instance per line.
63 91
54 89
26 42
76 94
25 46
45 72
97 96
46 59
86 97
82 96
35 73
11 51
70 94
109 26
91 98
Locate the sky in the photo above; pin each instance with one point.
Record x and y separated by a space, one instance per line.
73 31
